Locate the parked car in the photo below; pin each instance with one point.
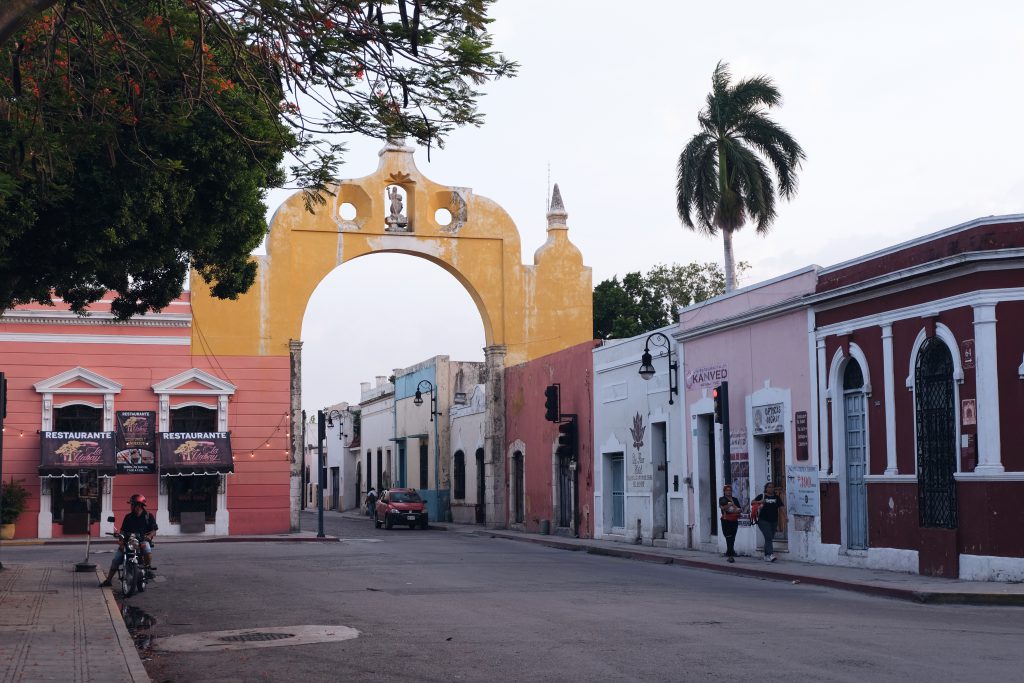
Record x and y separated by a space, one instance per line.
400 506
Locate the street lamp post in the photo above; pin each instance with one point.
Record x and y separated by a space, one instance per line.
418 400
323 421
647 368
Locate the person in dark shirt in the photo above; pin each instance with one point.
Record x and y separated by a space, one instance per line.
730 508
769 519
138 521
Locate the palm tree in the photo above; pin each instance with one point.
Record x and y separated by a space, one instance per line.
724 179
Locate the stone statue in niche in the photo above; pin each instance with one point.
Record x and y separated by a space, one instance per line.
396 220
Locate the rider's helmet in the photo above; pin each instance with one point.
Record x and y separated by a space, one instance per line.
138 499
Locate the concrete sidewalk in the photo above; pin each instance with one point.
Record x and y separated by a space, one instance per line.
309 536
926 589
56 625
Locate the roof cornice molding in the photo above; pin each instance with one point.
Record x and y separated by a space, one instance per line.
41 317
969 262
924 239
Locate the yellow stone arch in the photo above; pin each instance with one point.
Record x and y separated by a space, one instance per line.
530 310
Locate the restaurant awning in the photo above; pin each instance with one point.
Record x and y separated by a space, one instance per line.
187 453
63 454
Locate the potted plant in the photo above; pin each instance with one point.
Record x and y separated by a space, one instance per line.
15 497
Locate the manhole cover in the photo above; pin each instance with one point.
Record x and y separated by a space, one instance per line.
247 638
255 637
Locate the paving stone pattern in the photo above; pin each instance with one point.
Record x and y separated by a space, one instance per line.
56 625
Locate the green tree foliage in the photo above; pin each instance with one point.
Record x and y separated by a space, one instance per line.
641 303
723 172
137 137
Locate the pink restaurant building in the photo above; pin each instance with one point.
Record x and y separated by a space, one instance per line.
211 456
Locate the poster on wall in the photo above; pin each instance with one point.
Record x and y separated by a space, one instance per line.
639 476
64 453
740 466
802 490
136 441
195 453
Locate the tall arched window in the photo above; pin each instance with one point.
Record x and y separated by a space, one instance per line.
855 432
459 476
936 435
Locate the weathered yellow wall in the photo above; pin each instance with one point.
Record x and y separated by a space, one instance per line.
533 310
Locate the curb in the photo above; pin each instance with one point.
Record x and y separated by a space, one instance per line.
136 669
907 594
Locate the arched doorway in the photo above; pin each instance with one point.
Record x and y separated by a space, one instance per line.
855 433
936 435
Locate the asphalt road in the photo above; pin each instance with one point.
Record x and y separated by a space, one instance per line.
452 606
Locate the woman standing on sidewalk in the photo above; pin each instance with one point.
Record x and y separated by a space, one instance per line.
769 519
730 508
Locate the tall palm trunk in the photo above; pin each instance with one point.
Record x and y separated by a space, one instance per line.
725 219
730 261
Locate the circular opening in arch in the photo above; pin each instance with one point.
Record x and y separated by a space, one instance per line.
443 217
347 211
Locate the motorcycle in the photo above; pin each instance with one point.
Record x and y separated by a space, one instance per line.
131 575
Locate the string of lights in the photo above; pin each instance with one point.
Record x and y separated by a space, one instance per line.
282 424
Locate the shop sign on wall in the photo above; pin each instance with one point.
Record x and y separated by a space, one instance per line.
800 424
768 419
967 351
136 442
802 490
710 376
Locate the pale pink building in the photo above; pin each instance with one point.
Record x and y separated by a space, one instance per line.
756 339
138 402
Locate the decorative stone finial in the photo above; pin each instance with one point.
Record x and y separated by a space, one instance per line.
395 144
556 210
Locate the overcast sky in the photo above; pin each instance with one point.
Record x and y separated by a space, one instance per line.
909 113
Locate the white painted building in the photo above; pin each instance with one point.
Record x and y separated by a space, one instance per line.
467 424
341 455
641 485
375 463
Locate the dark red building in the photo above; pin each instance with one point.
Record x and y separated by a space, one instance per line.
920 400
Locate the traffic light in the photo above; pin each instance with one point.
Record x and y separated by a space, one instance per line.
552 411
721 396
567 439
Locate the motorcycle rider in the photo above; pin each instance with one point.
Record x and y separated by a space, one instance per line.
141 522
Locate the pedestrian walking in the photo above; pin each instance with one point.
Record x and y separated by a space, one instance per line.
730 508
769 518
371 501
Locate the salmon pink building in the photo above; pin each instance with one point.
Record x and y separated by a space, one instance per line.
99 409
548 491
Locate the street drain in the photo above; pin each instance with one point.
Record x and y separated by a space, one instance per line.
255 637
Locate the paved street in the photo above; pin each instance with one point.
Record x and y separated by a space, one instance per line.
458 605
